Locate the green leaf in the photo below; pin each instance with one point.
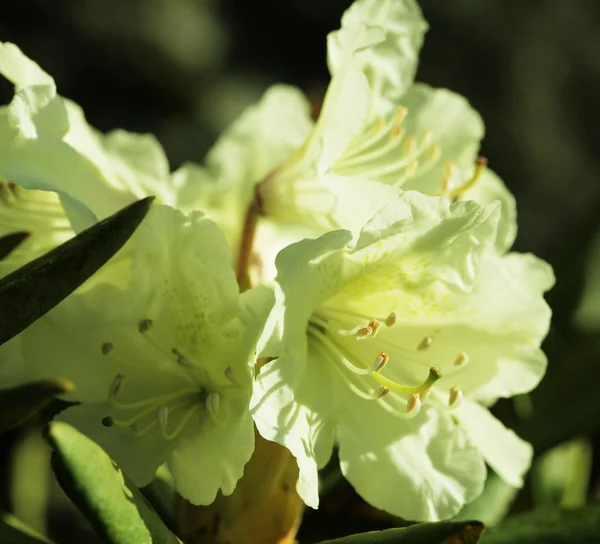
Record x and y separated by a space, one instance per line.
549 526
10 242
106 497
14 531
20 403
445 532
34 289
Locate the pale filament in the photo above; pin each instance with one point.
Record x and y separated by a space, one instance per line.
340 353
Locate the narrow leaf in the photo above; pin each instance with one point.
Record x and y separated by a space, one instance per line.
549 526
20 403
10 242
445 532
31 291
14 531
107 498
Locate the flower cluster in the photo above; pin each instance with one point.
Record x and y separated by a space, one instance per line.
345 282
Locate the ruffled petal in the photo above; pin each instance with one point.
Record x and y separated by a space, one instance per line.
386 37
214 460
503 450
424 468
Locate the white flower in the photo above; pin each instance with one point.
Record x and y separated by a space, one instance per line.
162 368
377 132
362 331
46 143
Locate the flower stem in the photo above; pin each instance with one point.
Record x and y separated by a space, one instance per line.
253 212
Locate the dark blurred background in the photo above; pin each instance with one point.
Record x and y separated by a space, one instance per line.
184 69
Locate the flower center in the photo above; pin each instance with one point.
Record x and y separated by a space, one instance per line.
169 412
326 330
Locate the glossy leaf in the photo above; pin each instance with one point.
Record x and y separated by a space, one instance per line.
34 289
107 498
14 531
10 242
549 526
20 403
445 532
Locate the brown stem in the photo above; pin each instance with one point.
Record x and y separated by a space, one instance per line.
247 242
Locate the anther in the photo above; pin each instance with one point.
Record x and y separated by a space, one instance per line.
182 359
455 396
212 405
108 421
381 392
425 343
144 325
230 376
374 326
397 134
400 115
461 359
106 348
390 320
414 404
363 332
115 385
380 361
409 147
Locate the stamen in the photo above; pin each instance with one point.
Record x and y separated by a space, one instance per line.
414 405
381 392
230 376
434 376
115 385
137 431
461 359
455 396
182 359
144 325
380 361
106 348
360 332
212 405
425 343
177 431
399 115
480 164
390 320
424 395
374 326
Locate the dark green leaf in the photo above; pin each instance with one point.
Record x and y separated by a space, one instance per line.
106 497
445 532
10 242
20 403
14 531
31 291
549 526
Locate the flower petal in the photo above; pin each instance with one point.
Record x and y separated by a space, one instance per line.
490 188
213 460
424 468
503 450
20 70
386 36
